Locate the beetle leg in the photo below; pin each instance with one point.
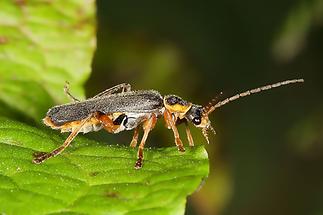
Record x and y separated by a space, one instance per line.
67 92
42 156
147 127
134 140
107 123
124 87
189 135
171 123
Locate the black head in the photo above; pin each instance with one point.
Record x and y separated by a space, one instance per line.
195 114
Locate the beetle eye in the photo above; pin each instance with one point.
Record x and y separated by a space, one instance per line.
196 120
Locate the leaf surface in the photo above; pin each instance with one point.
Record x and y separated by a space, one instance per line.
91 177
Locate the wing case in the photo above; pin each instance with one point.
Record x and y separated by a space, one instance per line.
142 101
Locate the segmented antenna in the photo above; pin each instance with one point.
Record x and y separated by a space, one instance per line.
211 107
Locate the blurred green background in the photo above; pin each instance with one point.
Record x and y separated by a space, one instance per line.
267 156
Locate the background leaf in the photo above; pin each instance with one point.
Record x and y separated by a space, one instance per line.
42 45
291 39
91 177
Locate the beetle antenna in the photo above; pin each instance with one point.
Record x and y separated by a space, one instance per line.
212 102
212 105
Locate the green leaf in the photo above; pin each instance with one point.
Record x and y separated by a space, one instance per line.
42 45
92 178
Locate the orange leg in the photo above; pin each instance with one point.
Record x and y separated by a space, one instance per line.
171 123
107 123
189 135
134 140
42 156
147 127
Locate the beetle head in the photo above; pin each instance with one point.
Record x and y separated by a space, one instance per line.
201 120
193 113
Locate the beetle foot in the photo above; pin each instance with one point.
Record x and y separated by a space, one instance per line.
138 164
39 157
181 148
179 145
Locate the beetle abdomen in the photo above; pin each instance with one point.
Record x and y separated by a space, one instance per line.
92 125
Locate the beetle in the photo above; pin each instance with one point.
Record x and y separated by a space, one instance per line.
119 108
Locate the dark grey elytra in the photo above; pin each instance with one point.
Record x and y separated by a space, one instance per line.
141 101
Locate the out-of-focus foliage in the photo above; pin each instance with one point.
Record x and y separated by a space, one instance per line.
300 19
42 45
306 137
92 178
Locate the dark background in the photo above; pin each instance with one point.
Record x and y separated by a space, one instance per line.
267 156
